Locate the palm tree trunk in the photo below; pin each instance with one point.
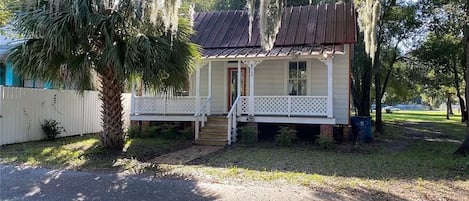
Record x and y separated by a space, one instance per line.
112 136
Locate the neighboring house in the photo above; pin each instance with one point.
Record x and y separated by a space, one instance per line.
7 74
304 79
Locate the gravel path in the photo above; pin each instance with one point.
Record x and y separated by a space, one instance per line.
186 155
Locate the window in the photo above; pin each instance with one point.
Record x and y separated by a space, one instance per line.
297 78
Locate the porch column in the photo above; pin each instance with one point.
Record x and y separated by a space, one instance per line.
197 88
238 92
209 87
252 65
328 60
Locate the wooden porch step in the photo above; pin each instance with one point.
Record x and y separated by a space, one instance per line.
215 128
212 136
211 142
214 132
217 118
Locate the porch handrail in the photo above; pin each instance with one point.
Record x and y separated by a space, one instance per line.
203 107
201 112
232 114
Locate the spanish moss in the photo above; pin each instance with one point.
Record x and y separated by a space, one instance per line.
368 19
250 5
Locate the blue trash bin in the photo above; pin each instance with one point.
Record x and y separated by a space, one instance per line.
361 128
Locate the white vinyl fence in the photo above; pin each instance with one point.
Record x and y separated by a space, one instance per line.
22 110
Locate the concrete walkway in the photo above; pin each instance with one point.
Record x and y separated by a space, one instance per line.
27 183
184 156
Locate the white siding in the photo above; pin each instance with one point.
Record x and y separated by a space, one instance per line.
270 79
341 87
219 78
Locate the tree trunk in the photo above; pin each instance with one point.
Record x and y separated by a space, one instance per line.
112 136
451 108
378 95
362 99
448 105
464 148
458 93
361 79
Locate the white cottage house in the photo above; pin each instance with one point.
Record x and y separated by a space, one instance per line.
304 79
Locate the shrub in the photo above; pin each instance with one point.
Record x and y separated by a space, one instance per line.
186 134
285 136
137 132
169 132
51 128
247 135
151 131
325 142
133 131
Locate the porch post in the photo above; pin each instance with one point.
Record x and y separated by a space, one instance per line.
328 60
238 92
209 87
252 65
251 89
197 88
330 87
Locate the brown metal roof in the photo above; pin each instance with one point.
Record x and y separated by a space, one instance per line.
302 26
280 51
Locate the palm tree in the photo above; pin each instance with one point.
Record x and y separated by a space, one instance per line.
72 40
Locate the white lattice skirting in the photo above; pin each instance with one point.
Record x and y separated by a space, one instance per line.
286 105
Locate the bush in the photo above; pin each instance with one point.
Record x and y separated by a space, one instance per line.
165 131
169 132
151 131
186 134
247 135
285 136
133 131
51 128
325 142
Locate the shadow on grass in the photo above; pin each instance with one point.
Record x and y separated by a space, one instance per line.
86 153
46 184
356 193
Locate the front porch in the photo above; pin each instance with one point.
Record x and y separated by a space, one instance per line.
184 108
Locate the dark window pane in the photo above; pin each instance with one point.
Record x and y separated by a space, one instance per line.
302 88
292 87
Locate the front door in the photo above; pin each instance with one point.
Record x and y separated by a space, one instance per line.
233 85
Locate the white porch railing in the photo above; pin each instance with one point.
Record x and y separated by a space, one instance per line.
162 105
286 105
232 121
202 112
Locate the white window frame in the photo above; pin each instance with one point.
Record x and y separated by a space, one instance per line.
306 79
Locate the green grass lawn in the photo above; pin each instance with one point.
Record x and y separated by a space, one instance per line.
85 153
412 159
436 120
